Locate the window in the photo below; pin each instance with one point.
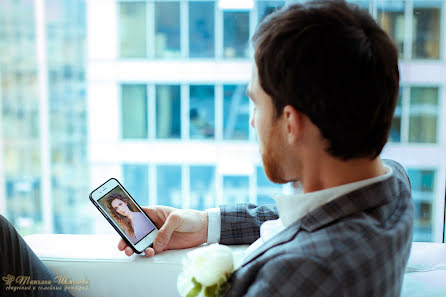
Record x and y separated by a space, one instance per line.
361 3
134 111
236 112
68 178
169 185
201 29
20 135
391 19
201 113
395 131
202 187
168 111
422 182
265 188
423 114
264 8
135 180
236 34
167 29
132 30
169 132
235 189
426 29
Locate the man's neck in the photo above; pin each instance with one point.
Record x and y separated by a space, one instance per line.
330 172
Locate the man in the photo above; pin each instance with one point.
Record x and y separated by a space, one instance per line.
324 86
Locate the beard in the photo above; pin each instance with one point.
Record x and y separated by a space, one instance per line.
271 157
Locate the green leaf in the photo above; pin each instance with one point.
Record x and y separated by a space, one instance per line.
195 290
194 280
210 291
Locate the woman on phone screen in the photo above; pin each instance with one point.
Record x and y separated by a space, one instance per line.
133 223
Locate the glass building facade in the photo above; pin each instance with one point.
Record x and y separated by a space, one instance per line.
25 173
67 113
163 107
20 117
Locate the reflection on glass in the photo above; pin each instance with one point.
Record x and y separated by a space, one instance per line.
169 185
264 8
426 30
132 29
202 187
20 117
423 114
265 188
135 181
235 189
66 30
167 29
201 111
134 111
235 112
391 19
168 111
422 183
395 130
201 29
235 34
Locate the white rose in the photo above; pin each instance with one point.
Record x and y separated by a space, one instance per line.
207 265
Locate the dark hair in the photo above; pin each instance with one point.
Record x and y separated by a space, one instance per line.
123 221
332 62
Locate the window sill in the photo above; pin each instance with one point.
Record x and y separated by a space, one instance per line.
110 272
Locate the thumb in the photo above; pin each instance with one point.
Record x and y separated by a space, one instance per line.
163 237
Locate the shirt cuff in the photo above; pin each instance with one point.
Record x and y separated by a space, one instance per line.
214 225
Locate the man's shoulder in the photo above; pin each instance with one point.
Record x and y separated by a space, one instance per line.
360 240
398 170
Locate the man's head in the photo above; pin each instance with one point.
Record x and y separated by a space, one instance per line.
323 69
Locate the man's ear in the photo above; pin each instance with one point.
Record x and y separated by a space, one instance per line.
294 124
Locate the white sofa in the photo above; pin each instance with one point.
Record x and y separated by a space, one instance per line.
110 273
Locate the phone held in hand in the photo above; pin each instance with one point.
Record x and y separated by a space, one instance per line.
124 214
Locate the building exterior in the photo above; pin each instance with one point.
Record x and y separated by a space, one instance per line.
44 143
157 100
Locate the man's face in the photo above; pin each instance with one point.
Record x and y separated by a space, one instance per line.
268 129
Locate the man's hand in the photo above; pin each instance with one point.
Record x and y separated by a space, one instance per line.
178 229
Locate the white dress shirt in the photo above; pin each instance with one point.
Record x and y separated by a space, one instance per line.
291 208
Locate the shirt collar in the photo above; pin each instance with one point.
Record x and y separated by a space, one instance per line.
293 207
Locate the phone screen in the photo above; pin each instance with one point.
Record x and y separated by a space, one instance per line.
126 215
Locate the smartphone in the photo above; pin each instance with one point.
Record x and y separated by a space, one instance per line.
124 214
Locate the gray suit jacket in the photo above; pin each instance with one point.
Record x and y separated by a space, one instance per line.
356 245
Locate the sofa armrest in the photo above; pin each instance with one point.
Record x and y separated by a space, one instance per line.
108 271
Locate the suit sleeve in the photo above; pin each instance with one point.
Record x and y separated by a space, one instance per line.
240 223
288 275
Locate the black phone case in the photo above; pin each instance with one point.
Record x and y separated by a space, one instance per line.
111 222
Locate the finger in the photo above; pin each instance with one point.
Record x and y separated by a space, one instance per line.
129 251
156 215
122 245
153 215
164 234
158 212
149 252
